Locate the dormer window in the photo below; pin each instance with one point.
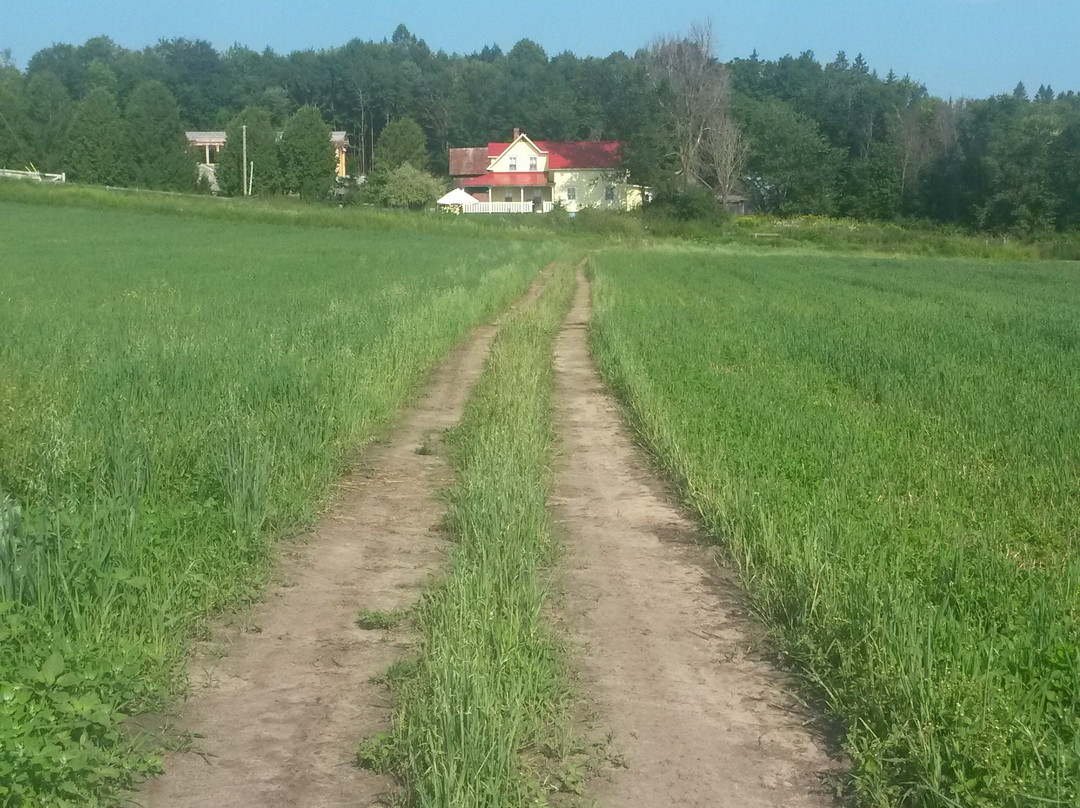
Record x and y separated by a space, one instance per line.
513 163
532 163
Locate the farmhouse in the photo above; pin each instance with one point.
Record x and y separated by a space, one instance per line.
524 176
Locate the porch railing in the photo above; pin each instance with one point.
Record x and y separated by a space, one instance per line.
508 207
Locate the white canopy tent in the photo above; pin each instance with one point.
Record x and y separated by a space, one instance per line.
458 196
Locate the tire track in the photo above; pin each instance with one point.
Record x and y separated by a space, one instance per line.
661 640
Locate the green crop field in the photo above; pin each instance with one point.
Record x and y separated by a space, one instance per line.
890 451
175 393
888 448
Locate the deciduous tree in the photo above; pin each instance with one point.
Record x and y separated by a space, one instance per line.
694 96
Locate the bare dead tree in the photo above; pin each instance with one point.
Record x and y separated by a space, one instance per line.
724 152
695 98
926 128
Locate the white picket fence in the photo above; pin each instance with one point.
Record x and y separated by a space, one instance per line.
508 207
32 175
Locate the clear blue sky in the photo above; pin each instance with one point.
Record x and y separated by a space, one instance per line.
972 48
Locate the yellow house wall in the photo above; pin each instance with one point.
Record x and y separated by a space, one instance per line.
591 184
523 150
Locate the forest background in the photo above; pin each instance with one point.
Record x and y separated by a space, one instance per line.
795 135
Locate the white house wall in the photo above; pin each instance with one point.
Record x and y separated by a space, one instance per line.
522 150
591 185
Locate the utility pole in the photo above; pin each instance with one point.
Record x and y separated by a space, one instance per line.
246 191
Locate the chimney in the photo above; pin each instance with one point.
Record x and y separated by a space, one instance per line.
517 133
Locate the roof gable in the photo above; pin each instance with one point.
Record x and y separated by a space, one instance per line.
510 149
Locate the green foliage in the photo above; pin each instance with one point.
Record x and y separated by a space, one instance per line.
166 416
824 139
306 155
11 149
401 141
686 205
791 166
45 111
159 150
1021 196
407 187
895 483
262 153
99 145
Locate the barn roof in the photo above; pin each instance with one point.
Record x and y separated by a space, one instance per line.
468 162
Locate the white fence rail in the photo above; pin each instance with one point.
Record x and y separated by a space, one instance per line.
508 207
32 175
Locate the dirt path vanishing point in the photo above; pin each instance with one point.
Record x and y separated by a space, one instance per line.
278 709
660 638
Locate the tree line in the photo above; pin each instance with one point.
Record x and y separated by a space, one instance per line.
795 135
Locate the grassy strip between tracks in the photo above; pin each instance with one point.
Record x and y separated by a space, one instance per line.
487 692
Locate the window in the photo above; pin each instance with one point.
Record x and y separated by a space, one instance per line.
609 193
508 196
532 163
513 163
571 194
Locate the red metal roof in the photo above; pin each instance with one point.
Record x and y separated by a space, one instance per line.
522 179
570 154
468 162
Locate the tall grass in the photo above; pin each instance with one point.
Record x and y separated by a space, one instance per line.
174 394
890 450
488 686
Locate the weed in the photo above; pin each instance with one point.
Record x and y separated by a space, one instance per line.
376 752
372 619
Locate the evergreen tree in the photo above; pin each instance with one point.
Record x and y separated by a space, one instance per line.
401 141
307 156
12 150
262 155
160 156
45 111
99 149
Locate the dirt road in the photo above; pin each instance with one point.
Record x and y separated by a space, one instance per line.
661 639
279 708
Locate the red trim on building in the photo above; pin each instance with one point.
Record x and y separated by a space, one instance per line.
517 179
